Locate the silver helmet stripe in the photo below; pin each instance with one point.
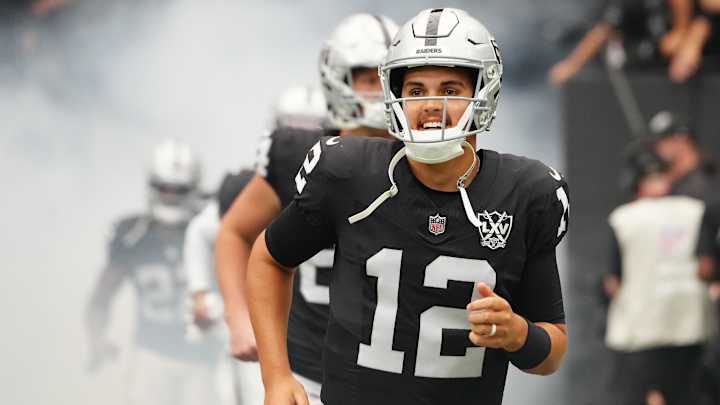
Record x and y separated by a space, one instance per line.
386 33
431 30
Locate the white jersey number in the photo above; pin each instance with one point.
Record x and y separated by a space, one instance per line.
563 198
309 288
379 354
308 166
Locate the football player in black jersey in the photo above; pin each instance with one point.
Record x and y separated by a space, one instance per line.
167 367
348 69
445 267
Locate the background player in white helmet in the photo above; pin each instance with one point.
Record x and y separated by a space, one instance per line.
450 273
348 72
146 250
300 107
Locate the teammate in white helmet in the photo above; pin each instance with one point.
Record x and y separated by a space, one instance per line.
348 73
444 268
301 107
146 249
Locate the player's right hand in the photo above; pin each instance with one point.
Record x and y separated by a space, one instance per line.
286 391
242 338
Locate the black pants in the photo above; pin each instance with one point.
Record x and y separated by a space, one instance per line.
710 375
674 371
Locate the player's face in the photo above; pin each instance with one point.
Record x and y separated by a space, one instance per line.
435 81
667 148
366 81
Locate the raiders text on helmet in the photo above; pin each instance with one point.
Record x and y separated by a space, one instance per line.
442 37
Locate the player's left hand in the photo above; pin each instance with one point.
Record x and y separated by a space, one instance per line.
510 328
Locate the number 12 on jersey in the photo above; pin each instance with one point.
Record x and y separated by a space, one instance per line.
379 354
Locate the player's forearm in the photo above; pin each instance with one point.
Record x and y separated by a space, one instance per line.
558 347
269 289
231 255
590 45
681 13
698 33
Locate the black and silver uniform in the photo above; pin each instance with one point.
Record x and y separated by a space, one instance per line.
402 277
279 156
230 187
149 255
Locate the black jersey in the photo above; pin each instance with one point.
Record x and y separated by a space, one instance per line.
402 277
279 157
149 255
230 187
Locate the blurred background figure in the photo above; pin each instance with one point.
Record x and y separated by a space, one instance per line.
348 67
167 366
207 305
708 252
702 38
301 107
660 314
690 170
648 31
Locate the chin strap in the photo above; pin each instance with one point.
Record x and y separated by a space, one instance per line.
469 211
391 192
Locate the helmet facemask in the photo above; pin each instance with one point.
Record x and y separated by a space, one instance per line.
173 184
359 42
349 108
444 143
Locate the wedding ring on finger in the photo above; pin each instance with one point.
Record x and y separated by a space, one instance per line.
493 330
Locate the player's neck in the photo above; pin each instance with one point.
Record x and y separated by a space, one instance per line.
444 176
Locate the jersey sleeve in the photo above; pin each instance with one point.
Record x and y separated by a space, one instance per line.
305 226
709 239
540 292
549 215
231 186
125 233
198 248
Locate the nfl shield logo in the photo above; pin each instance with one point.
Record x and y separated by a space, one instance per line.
436 224
494 229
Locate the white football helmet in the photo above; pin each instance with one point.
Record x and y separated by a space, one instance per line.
442 37
359 41
301 107
174 178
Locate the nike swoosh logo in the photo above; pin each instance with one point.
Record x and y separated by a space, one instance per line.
333 141
554 174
